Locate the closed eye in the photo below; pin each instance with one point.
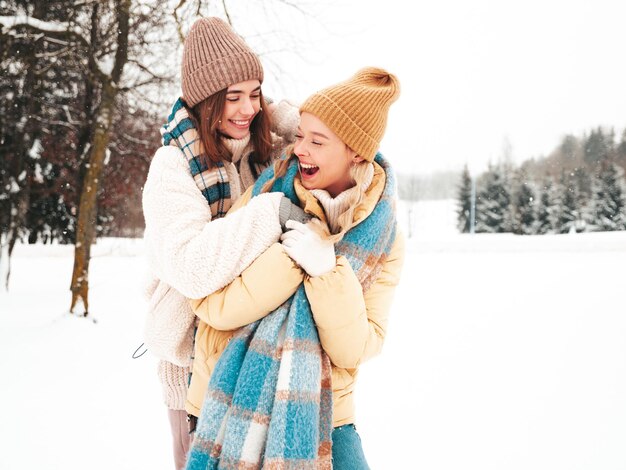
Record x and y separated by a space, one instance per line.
233 98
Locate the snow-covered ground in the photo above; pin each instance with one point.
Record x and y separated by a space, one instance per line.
503 352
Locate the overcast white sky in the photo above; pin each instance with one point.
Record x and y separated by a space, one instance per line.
475 73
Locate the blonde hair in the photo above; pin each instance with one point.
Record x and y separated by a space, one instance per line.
358 174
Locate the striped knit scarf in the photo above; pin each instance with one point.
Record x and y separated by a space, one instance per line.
269 400
212 182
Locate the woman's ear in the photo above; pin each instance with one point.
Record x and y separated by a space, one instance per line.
353 156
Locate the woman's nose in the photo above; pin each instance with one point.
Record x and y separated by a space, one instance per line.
300 148
247 108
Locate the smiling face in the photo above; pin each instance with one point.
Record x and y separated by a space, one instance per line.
242 104
324 159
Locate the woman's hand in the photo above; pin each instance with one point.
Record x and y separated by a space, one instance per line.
313 254
289 211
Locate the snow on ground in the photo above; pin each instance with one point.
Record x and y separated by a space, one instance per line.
503 352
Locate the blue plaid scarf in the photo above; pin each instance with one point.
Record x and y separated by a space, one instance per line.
213 183
269 400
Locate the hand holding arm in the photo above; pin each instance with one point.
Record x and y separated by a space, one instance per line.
313 254
289 211
253 294
185 248
285 119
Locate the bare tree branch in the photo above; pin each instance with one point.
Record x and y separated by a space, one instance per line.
56 33
134 140
54 122
57 41
145 69
294 6
179 26
230 21
49 33
148 81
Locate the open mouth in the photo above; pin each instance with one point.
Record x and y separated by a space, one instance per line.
308 170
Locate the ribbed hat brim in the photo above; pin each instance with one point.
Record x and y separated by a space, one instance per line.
356 109
338 121
220 74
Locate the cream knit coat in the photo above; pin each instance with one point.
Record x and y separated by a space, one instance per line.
189 256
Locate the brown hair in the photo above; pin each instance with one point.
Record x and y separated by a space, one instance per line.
358 172
206 117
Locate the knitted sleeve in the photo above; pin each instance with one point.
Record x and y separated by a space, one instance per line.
187 250
285 120
252 295
174 379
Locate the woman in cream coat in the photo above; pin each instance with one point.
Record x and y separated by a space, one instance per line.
215 144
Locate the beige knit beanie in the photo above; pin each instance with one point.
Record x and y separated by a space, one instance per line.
214 57
356 110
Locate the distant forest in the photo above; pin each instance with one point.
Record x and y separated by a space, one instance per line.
578 187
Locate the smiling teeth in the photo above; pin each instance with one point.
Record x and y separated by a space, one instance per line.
241 123
307 166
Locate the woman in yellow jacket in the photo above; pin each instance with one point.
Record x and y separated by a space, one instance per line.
341 181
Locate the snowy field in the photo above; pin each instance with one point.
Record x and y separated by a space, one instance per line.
503 352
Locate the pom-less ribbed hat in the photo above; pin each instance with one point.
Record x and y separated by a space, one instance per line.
214 57
356 110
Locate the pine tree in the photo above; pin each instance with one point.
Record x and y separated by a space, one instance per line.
525 210
620 152
493 205
464 202
598 147
546 210
582 177
568 213
570 148
609 199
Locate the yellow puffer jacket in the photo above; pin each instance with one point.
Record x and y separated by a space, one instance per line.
351 325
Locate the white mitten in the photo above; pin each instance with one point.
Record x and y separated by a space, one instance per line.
305 247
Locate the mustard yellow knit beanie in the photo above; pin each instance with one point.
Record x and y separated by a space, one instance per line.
356 109
215 57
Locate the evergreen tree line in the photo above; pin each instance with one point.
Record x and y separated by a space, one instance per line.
579 187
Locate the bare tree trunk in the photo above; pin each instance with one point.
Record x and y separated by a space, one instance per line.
23 168
88 207
88 210
17 223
